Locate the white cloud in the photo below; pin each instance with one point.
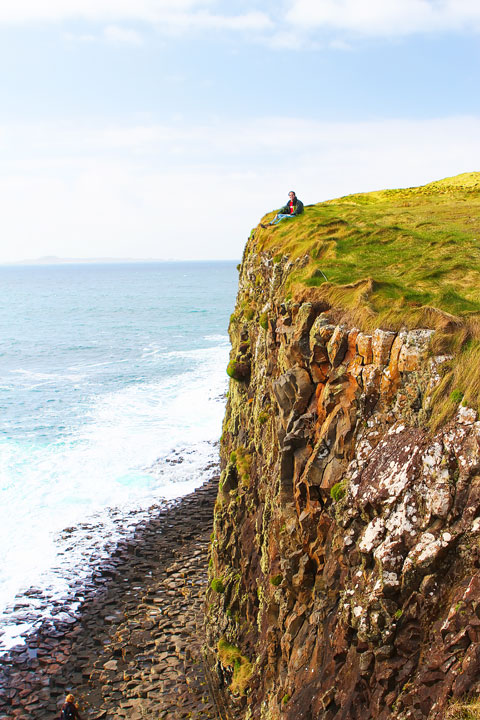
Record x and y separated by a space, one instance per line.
86 38
292 25
111 35
151 190
170 15
122 36
385 17
205 20
284 40
151 11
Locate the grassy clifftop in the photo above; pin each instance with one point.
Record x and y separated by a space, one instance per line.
397 258
401 249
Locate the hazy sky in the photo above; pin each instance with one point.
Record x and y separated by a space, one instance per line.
166 128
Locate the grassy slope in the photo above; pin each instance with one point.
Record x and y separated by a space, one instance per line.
398 258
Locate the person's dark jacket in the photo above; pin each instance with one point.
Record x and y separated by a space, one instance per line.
69 710
297 207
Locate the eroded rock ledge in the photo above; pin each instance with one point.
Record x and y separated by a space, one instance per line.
345 558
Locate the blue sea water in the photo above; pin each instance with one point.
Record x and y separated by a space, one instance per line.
112 384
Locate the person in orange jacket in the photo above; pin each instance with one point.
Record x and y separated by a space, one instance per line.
69 709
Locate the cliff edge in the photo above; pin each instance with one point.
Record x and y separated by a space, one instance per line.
345 558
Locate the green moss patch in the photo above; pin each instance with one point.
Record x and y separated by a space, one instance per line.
337 492
218 586
232 369
231 657
238 370
248 310
242 460
456 396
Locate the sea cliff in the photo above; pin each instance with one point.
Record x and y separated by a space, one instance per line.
344 575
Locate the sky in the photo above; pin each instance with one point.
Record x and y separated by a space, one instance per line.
165 129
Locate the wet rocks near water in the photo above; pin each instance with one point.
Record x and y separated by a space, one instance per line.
134 648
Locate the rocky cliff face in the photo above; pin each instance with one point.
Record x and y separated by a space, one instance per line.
344 572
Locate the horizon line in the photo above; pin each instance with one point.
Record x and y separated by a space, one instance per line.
55 260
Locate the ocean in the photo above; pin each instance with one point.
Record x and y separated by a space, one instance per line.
112 393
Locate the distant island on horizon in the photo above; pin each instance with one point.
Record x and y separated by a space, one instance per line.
54 260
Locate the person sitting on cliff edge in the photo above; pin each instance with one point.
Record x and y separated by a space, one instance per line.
293 208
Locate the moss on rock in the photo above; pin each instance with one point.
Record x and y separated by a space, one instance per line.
231 658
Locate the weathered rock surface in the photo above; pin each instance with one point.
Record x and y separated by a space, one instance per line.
350 550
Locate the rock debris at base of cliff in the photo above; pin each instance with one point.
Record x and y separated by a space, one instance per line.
135 648
344 578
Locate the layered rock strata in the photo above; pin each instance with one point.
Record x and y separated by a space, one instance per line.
345 559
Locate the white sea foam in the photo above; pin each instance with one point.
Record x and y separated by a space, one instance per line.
30 377
112 399
106 363
134 446
218 339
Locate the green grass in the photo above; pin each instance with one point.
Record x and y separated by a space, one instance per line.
467 710
397 258
409 249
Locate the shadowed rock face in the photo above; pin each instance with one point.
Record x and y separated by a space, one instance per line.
349 547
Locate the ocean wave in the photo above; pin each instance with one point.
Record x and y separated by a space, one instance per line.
47 377
105 363
200 354
121 456
223 339
112 399
54 565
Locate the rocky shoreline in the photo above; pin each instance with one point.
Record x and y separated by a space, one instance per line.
134 648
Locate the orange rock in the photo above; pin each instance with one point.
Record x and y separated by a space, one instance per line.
395 353
414 350
337 346
320 334
371 375
355 369
391 375
319 372
364 348
382 341
409 359
352 342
